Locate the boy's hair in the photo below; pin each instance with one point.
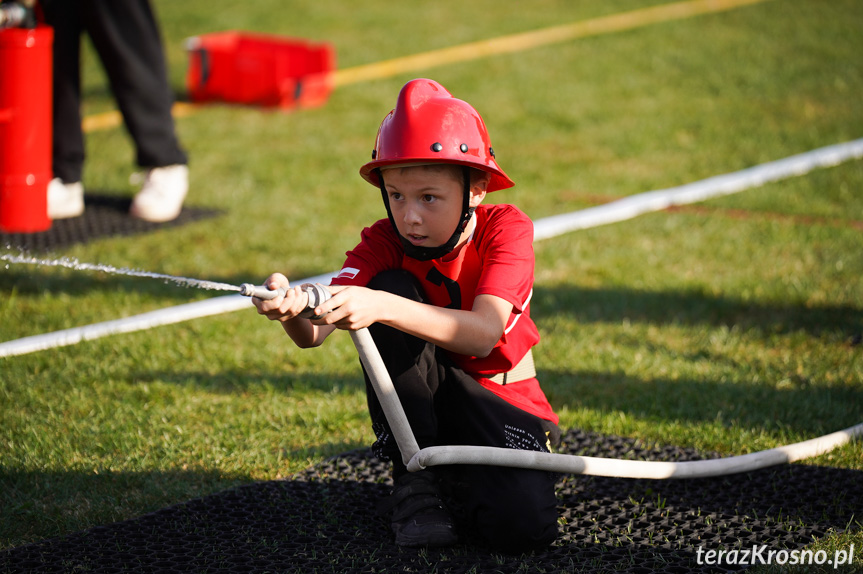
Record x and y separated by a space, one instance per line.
456 172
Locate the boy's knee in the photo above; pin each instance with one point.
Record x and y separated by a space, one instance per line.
403 284
398 282
514 510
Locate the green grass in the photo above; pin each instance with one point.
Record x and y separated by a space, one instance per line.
699 328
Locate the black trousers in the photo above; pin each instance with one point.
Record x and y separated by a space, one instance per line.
126 37
510 508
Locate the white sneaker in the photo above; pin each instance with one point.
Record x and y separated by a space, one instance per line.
65 199
162 195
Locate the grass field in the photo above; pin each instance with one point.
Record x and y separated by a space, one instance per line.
733 326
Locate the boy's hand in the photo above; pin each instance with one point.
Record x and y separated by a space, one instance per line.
351 307
281 308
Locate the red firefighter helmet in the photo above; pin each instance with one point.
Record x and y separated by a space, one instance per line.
429 125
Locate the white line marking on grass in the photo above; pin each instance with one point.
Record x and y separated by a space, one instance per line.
620 210
717 186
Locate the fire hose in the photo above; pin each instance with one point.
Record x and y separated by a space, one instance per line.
418 459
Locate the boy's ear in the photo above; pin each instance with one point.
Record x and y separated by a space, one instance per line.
476 196
481 180
478 185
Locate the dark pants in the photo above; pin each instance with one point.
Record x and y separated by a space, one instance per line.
511 508
126 37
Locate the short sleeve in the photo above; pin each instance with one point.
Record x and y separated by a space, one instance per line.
378 250
506 249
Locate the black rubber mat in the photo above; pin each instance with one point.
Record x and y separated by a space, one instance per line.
323 520
104 216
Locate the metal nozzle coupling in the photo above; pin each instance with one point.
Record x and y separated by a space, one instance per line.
259 291
316 293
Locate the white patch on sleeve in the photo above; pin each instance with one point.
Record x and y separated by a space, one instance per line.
348 273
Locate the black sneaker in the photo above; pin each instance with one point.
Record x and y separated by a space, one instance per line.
419 516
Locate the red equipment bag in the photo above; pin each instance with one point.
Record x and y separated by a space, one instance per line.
258 69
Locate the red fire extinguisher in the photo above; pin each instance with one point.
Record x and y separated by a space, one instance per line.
25 120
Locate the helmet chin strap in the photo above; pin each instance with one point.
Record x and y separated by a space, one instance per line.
429 253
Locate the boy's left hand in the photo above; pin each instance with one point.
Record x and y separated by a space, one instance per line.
351 307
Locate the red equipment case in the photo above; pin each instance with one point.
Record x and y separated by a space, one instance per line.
258 69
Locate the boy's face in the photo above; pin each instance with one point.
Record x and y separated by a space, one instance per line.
426 202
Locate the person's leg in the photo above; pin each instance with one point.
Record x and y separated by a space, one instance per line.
511 509
127 39
65 191
413 368
419 517
68 140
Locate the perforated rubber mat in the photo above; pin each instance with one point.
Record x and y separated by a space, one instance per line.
104 216
323 520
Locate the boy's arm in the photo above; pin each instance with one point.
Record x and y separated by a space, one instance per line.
472 333
305 334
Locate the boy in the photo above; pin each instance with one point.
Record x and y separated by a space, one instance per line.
444 285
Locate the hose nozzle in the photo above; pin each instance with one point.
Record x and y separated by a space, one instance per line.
260 291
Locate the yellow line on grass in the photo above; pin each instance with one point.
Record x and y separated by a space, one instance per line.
113 119
527 40
492 47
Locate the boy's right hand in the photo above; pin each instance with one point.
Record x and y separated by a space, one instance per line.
281 308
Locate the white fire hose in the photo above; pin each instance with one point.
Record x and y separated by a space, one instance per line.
417 459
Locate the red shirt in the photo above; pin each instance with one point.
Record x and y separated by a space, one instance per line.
497 260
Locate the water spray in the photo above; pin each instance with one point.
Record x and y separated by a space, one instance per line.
71 263
315 292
